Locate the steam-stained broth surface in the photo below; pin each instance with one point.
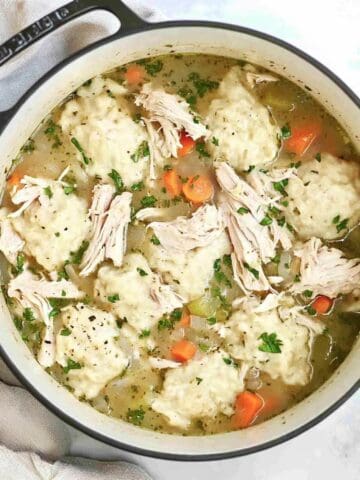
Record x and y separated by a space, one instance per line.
77 137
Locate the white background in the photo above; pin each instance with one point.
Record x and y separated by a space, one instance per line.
330 31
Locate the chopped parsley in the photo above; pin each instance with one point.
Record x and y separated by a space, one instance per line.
276 259
215 141
148 201
211 321
137 187
318 157
48 192
19 266
71 365
176 314
310 310
167 167
228 361
76 257
219 275
243 210
271 343
227 260
202 85
340 224
28 314
201 150
198 380
142 272
250 169
141 151
165 323
69 189
144 333
155 240
280 186
135 416
51 132
252 270
308 293
113 298
116 178
266 221
65 332
285 132
77 145
152 68
29 146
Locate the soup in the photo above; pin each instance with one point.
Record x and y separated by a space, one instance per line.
181 242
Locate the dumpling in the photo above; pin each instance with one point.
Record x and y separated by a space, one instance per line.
88 349
250 327
202 388
324 200
243 128
189 271
53 225
135 292
100 120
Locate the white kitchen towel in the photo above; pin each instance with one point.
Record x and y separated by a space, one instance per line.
34 441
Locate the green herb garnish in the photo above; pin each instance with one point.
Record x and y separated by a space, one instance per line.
135 416
252 270
148 201
77 145
137 187
285 132
201 150
242 210
141 151
113 298
271 343
144 333
142 272
266 221
65 332
118 182
48 192
71 365
155 240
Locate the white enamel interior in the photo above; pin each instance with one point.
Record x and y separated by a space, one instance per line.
195 39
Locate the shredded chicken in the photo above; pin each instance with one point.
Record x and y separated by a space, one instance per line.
167 115
31 292
255 78
325 270
10 242
146 214
244 208
160 363
165 295
183 234
110 218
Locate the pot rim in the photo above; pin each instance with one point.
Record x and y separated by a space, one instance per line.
7 117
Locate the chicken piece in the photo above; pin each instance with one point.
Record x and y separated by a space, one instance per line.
32 189
254 77
253 233
325 270
110 218
184 234
32 292
162 363
10 242
167 115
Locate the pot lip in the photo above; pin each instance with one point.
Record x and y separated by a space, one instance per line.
61 413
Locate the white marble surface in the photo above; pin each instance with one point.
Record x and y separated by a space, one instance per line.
328 30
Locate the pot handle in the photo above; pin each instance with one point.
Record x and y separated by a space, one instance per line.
51 22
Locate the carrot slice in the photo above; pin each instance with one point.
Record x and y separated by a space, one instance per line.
134 74
185 318
198 189
183 351
172 183
14 180
187 144
302 136
322 304
247 407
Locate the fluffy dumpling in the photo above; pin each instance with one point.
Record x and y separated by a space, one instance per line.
87 348
135 292
243 128
324 200
189 271
202 388
247 335
53 226
99 118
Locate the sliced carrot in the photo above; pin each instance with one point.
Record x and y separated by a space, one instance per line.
302 136
172 183
183 351
247 407
134 74
185 318
14 180
187 144
322 304
198 189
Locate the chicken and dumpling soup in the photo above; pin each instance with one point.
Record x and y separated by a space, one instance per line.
181 244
